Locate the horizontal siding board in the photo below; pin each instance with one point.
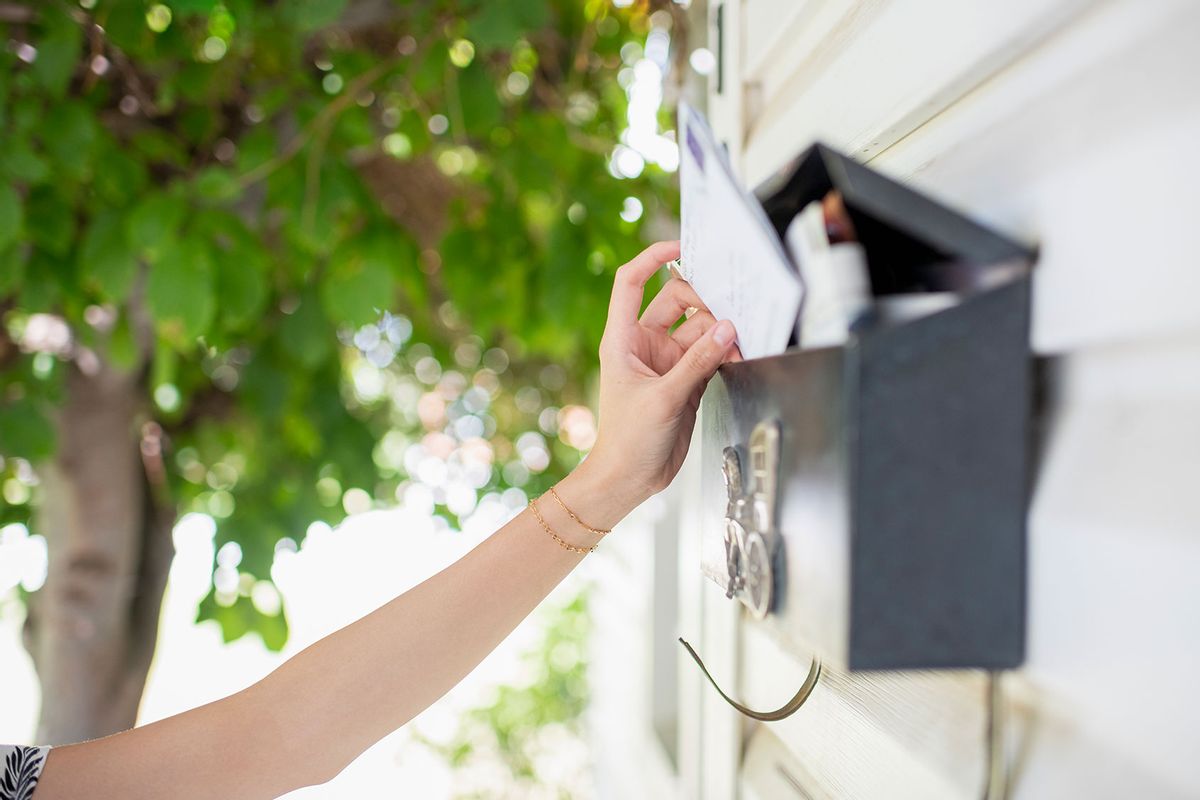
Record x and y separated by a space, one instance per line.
861 75
1088 147
873 734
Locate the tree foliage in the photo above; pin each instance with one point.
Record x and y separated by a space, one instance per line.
497 747
339 243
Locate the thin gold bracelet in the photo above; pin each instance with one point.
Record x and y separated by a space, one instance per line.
562 543
571 514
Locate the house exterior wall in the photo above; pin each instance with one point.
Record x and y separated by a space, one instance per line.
1071 124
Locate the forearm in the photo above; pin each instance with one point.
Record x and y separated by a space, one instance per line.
307 720
376 674
371 677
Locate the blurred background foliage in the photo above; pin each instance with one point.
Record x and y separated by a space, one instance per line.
354 253
527 741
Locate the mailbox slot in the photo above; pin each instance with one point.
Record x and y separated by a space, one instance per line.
903 456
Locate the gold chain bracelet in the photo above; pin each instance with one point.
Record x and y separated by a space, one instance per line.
571 514
562 543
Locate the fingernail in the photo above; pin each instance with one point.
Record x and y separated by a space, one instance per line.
723 333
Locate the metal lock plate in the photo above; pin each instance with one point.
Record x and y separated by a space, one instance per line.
750 520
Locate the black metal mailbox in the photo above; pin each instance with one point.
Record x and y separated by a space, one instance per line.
895 521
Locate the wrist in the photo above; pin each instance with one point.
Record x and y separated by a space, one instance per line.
598 494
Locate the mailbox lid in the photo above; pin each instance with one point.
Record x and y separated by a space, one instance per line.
913 243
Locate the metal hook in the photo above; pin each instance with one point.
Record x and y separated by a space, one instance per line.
786 710
996 783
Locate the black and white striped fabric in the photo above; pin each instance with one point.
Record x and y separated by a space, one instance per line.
20 768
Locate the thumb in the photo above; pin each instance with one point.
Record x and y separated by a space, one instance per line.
700 361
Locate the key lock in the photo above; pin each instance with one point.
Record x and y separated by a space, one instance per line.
751 541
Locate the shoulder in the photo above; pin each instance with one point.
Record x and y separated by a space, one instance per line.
20 768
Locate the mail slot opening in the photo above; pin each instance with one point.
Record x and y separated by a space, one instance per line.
913 245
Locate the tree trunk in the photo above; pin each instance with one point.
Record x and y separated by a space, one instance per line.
92 628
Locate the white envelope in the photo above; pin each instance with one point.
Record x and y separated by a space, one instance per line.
731 254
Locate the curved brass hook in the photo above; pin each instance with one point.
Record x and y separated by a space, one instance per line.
996 787
788 708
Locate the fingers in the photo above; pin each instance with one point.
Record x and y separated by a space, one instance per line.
626 299
670 303
700 361
693 328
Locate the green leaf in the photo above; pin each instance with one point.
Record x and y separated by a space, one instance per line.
41 288
119 177
180 289
242 265
106 258
272 629
122 349
164 367
68 135
308 15
156 145
198 124
357 289
501 24
50 220
218 183
257 146
155 221
25 432
480 103
186 7
241 617
12 269
306 334
264 385
125 26
241 285
24 114
234 621
19 162
10 215
57 54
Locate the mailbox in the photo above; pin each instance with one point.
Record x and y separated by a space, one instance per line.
868 501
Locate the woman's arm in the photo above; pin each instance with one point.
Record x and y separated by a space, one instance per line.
306 721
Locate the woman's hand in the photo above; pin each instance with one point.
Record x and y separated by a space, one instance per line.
651 379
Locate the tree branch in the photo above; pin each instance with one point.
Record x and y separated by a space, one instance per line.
154 563
16 13
454 104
